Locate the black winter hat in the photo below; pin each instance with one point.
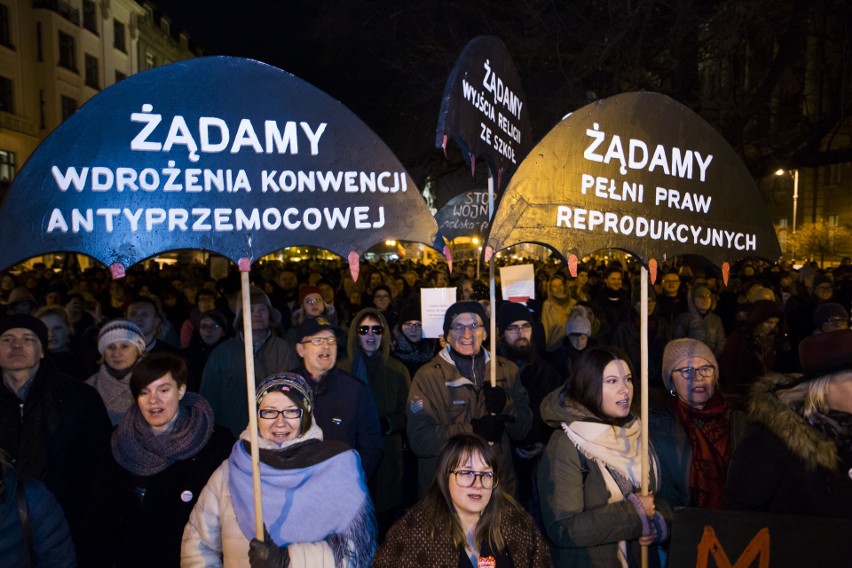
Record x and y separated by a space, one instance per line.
459 308
25 321
509 313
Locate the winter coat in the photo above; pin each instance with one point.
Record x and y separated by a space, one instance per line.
155 508
583 527
626 337
408 544
674 453
223 382
389 386
114 392
346 412
51 541
213 537
60 436
741 362
783 464
442 403
706 328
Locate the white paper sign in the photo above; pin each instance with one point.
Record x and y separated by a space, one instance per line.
433 305
518 281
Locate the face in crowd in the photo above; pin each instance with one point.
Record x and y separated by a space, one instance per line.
319 352
467 333
286 425
370 333
695 381
158 402
617 393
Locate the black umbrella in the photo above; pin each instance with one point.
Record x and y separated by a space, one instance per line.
642 173
222 154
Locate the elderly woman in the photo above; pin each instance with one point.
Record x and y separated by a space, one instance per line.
466 518
696 433
315 502
166 447
121 345
589 476
796 455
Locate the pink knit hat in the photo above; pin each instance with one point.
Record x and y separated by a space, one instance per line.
678 351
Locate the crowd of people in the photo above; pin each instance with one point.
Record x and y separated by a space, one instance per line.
124 414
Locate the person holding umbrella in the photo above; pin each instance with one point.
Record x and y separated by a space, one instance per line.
316 508
589 475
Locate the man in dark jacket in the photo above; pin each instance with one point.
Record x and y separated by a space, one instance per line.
55 429
515 325
345 409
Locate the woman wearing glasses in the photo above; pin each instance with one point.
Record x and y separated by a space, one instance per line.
315 504
590 474
370 361
695 434
466 518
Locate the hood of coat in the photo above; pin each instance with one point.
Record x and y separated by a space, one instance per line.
557 408
690 301
810 446
353 343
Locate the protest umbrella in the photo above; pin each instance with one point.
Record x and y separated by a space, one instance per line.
641 173
222 154
483 110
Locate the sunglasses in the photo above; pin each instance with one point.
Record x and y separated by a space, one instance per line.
375 329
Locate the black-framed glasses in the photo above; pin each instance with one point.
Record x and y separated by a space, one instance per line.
375 329
466 478
516 328
459 328
321 341
272 414
412 324
688 373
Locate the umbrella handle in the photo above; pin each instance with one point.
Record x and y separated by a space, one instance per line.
250 390
643 392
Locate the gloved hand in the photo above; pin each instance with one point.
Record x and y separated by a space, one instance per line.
489 427
267 554
495 398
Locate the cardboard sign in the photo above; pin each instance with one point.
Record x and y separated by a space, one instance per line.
433 305
518 281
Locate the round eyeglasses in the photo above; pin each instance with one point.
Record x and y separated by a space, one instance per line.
466 478
688 373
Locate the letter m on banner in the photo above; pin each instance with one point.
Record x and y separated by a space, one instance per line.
710 545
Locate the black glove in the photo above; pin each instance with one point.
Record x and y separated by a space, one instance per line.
495 398
489 427
384 425
267 554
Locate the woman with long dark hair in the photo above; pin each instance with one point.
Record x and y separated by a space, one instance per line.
466 518
589 476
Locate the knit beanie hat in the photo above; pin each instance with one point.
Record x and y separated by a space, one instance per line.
459 308
25 321
509 313
411 312
120 330
828 310
679 350
305 291
826 353
294 386
256 296
578 323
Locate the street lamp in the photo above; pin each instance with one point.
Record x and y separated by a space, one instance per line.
795 174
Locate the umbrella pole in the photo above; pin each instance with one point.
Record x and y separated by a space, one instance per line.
643 393
252 410
492 299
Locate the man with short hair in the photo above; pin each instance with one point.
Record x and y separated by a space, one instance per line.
145 312
223 382
672 302
612 303
452 394
345 409
55 429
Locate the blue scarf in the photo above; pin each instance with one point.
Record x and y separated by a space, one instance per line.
324 501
